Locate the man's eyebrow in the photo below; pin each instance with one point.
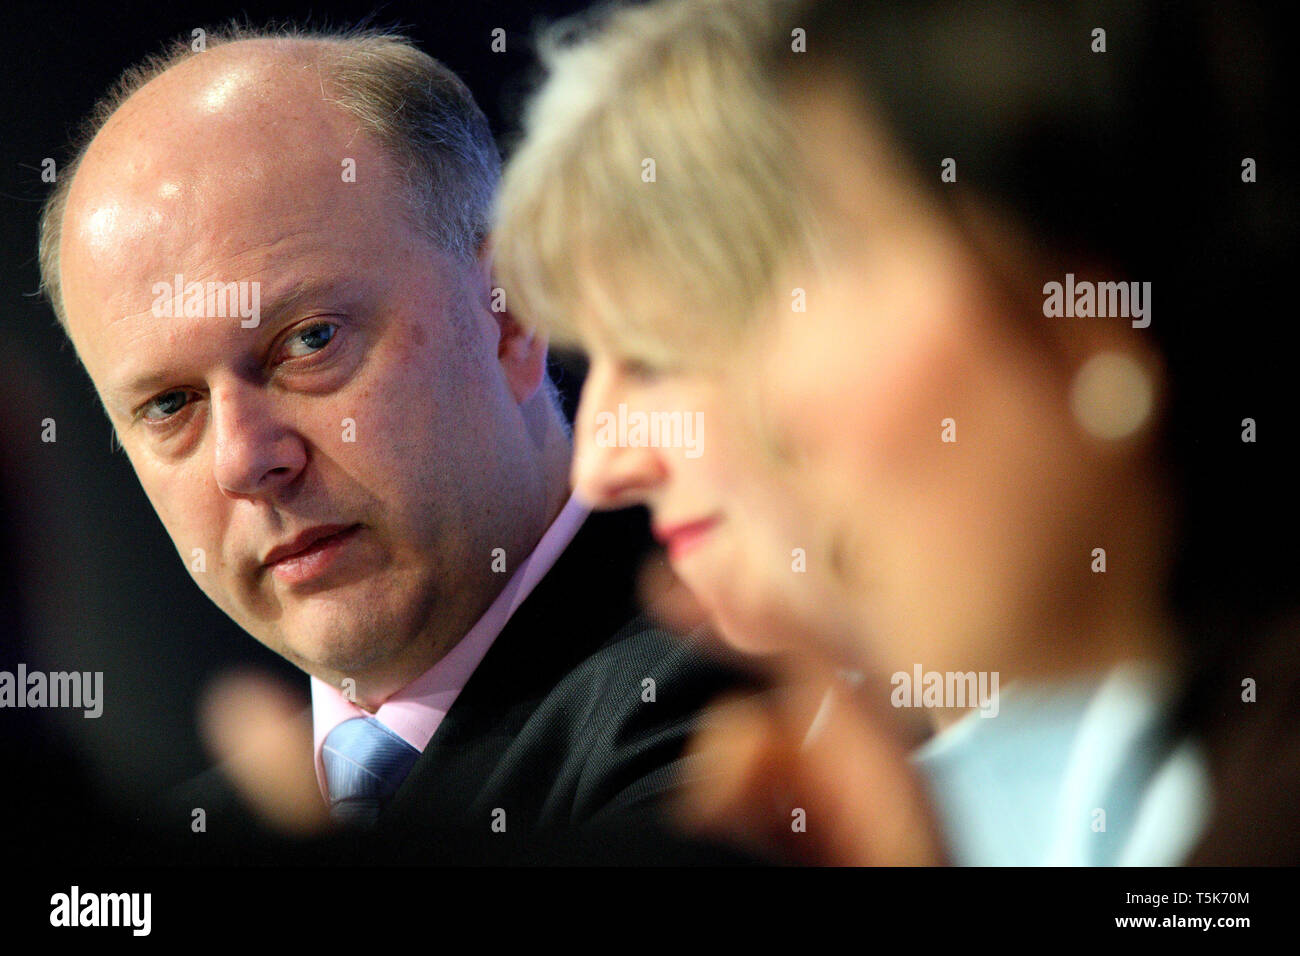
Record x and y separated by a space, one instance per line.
272 313
276 308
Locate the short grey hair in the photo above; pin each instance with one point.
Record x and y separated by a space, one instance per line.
418 111
586 247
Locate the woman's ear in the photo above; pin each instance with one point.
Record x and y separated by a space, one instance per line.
1042 280
1113 371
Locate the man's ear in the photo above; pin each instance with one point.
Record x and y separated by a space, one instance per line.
520 350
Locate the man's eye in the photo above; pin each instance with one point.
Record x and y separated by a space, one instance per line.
164 406
312 339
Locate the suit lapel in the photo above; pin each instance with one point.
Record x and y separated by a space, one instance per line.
586 597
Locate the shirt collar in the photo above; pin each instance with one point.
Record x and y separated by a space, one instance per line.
415 712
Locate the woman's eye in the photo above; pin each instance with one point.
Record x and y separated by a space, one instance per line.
637 369
312 339
165 406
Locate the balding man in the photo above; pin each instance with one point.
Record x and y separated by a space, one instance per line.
270 258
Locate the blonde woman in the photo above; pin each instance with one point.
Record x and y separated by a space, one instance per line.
977 473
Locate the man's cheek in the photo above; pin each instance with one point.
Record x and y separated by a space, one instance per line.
199 547
357 427
216 579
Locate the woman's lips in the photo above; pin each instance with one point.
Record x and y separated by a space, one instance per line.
681 539
314 561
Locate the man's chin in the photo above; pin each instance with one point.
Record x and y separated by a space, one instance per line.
336 638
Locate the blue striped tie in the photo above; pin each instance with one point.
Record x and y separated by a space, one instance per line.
365 763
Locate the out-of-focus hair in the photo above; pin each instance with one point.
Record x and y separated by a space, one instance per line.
652 199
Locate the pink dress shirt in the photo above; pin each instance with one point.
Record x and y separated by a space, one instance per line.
415 712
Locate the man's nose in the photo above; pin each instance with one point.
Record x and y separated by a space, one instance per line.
257 451
607 471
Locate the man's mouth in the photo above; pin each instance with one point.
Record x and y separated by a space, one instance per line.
310 553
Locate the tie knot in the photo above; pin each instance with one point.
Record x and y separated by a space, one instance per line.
365 763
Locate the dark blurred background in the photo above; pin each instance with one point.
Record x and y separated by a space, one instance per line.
89 580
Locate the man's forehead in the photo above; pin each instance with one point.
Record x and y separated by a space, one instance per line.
202 138
249 87
211 174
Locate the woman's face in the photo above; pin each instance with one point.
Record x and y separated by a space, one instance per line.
930 434
679 442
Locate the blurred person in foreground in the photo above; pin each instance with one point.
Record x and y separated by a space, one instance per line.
956 392
359 458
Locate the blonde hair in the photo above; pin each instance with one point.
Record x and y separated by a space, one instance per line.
417 110
583 240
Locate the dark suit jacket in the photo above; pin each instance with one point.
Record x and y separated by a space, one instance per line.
559 748
571 730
